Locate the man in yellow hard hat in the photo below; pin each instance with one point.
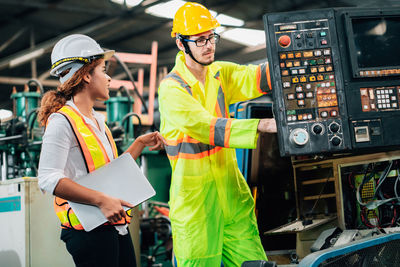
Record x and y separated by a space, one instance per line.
211 208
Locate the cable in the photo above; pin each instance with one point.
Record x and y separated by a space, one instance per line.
382 178
395 183
130 114
31 122
37 83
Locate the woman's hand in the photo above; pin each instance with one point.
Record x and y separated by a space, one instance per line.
154 140
112 208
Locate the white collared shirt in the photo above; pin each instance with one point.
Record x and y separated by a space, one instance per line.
61 156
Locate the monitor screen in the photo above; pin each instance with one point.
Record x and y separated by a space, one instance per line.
377 41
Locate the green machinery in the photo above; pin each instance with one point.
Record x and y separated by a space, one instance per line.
20 135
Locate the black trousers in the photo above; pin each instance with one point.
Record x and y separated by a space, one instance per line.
102 246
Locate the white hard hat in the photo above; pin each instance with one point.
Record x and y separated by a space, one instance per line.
75 48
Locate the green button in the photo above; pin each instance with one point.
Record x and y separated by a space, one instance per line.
332 83
320 61
313 62
323 34
291 112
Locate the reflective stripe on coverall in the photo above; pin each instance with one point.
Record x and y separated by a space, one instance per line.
212 210
94 155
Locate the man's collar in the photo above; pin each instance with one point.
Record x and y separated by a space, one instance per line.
188 76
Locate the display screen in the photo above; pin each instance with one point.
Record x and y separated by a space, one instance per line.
377 41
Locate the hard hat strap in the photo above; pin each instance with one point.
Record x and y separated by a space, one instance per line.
73 67
187 49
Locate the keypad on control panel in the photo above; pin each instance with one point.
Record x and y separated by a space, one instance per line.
380 98
308 83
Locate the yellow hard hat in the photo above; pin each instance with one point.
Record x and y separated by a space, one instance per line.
193 18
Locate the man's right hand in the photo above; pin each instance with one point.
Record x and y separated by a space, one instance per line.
112 208
267 126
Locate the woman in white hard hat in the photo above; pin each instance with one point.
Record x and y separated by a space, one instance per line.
77 141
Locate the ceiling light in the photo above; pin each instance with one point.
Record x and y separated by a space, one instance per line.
165 10
229 21
220 29
247 37
129 3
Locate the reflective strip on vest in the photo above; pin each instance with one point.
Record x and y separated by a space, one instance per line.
220 131
189 148
220 106
263 78
95 156
175 76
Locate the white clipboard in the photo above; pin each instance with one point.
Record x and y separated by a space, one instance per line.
121 178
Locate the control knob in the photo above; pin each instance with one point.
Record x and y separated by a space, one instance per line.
299 136
317 128
334 127
336 140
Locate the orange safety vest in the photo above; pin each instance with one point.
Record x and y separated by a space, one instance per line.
95 156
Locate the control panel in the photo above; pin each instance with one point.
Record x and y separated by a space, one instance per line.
307 85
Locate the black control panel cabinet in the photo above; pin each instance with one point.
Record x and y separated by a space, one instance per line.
336 84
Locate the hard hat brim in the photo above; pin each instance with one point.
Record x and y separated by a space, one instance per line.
108 54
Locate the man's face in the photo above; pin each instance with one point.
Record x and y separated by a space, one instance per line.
204 54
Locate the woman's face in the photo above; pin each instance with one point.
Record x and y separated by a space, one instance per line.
99 82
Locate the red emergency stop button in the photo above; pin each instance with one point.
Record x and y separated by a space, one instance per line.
284 41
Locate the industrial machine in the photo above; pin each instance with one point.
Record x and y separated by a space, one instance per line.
119 113
20 135
335 76
336 91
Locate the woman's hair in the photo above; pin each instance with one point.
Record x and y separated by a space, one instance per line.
53 100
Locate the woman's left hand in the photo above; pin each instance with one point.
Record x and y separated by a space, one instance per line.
154 139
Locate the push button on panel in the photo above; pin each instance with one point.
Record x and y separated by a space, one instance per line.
308 53
324 114
284 41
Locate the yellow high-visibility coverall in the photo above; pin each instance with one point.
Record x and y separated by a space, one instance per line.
211 207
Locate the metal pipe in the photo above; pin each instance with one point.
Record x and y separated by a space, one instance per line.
4 166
